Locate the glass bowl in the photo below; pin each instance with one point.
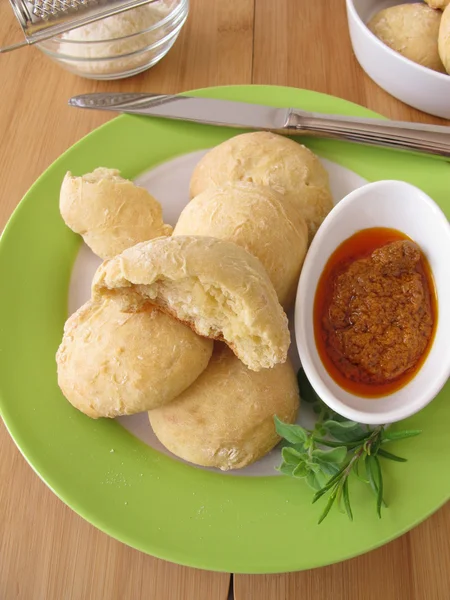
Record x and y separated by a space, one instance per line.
115 56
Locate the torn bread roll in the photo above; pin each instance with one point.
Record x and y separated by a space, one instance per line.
225 419
109 212
112 363
272 160
260 220
214 286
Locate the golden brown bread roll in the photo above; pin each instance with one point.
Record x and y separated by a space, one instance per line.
272 160
412 30
112 363
214 286
225 419
111 213
260 220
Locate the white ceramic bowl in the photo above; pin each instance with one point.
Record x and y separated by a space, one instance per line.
401 206
415 85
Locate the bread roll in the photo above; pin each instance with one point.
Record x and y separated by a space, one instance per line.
444 39
214 286
260 220
268 159
111 213
438 3
412 30
112 363
225 419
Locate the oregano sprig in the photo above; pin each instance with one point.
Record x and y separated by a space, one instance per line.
328 454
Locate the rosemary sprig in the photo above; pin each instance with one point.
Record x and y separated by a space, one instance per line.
335 448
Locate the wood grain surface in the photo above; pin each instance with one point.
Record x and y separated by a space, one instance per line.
47 552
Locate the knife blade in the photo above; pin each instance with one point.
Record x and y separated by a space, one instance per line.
188 108
422 138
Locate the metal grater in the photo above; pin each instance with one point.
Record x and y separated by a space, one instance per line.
43 19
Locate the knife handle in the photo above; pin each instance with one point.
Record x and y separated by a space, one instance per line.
428 139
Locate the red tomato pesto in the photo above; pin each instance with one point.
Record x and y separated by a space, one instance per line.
375 312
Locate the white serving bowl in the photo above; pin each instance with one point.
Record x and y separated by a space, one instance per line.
396 205
415 85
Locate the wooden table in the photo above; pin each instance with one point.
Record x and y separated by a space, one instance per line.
47 552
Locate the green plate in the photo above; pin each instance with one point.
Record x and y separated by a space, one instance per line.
125 488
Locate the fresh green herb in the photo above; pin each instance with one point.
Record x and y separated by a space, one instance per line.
326 455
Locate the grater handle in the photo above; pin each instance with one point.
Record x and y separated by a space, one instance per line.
43 19
13 47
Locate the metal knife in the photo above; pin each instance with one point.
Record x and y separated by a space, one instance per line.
401 135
